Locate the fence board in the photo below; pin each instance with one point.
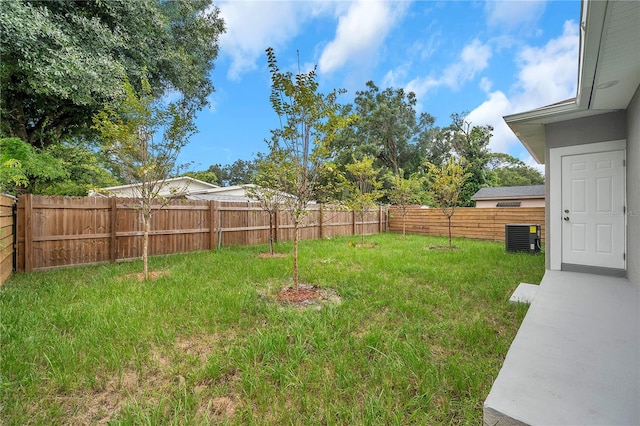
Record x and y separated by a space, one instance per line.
54 232
485 224
7 230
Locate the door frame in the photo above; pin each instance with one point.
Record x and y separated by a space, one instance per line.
555 192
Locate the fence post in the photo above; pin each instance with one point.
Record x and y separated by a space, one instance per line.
213 224
28 232
114 223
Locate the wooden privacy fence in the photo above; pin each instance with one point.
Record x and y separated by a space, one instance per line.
7 230
469 222
64 231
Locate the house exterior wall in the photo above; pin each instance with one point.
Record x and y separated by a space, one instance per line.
600 128
527 202
237 192
633 189
170 187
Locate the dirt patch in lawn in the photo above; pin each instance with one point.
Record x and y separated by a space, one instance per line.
308 296
453 248
148 383
153 275
272 256
362 245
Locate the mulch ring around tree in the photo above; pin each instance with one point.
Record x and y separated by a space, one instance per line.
308 296
360 245
153 275
442 248
272 255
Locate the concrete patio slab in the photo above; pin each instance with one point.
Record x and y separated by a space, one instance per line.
524 293
576 357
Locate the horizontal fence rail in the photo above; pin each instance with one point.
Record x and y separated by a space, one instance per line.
7 230
469 222
54 232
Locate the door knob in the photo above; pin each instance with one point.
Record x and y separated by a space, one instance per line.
566 218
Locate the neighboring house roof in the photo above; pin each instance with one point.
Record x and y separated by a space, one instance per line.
228 193
173 187
608 72
510 192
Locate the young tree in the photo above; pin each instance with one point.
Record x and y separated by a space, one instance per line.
128 132
272 172
405 192
364 188
309 121
445 185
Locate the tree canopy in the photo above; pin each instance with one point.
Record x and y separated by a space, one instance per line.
471 143
511 171
386 127
63 60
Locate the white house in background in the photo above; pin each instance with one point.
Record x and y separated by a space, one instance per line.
229 193
510 196
184 187
172 188
576 356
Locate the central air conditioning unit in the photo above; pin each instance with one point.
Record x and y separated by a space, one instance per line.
522 237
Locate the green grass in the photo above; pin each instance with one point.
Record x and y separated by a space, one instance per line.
418 338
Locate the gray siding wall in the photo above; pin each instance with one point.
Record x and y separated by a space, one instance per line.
598 128
633 189
602 128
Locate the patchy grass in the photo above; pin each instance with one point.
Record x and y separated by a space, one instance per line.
418 337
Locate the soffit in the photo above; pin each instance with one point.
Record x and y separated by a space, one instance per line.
609 72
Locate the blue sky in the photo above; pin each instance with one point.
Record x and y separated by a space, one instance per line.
487 58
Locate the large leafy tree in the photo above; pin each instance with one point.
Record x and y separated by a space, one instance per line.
386 127
63 60
471 143
128 131
240 172
309 122
511 171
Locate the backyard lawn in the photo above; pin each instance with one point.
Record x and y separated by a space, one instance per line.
417 336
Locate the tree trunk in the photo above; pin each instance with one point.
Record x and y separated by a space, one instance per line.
295 256
271 233
404 225
450 247
145 248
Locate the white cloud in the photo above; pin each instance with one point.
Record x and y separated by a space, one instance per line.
549 74
473 58
514 14
490 112
252 26
546 75
360 33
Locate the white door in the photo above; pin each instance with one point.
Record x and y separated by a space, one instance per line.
593 219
